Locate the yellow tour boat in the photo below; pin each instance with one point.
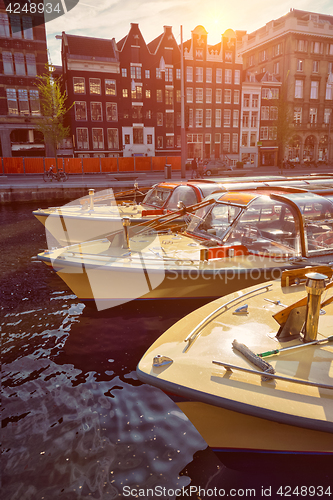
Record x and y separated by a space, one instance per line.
253 371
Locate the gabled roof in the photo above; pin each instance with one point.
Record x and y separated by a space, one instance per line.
89 47
154 44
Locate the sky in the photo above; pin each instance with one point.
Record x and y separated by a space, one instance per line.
112 18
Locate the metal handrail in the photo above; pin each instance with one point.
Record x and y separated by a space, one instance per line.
203 323
230 367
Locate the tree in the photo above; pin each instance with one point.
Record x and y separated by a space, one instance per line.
53 106
283 123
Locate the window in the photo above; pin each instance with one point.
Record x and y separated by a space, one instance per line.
244 139
15 24
263 133
253 139
168 75
158 74
209 95
331 49
170 141
23 101
301 45
314 89
31 64
148 94
96 111
147 73
299 64
123 72
189 94
178 119
199 118
272 133
190 118
209 75
169 97
226 143
110 87
262 55
136 93
159 142
125 92
111 112
137 135
274 93
113 141
4 26
276 68
228 76
199 74
315 66
246 119
178 96
328 93
80 110
273 113
235 143
159 96
236 96
235 118
19 63
12 102
208 118
219 75
327 115
298 115
79 85
137 113
27 28
95 86
298 89
227 96
199 95
316 47
246 100
254 119
218 117
8 66
178 74
82 138
189 74
265 112
135 72
98 138
169 121
148 114
149 139
313 115
237 76
217 139
277 49
255 100
218 96
159 117
227 118
34 102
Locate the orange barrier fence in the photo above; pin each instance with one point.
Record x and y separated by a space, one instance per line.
89 165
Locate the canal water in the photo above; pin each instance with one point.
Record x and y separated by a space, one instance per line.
76 422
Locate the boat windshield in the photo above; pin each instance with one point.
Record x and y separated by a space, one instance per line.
186 194
267 227
213 220
156 197
318 225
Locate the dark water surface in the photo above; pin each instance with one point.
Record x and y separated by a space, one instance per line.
76 422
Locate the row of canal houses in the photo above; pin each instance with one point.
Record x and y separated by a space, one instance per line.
127 98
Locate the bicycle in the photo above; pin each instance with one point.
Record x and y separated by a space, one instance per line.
60 175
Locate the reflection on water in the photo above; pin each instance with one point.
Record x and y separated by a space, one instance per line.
76 421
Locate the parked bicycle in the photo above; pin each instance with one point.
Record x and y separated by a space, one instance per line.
51 175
